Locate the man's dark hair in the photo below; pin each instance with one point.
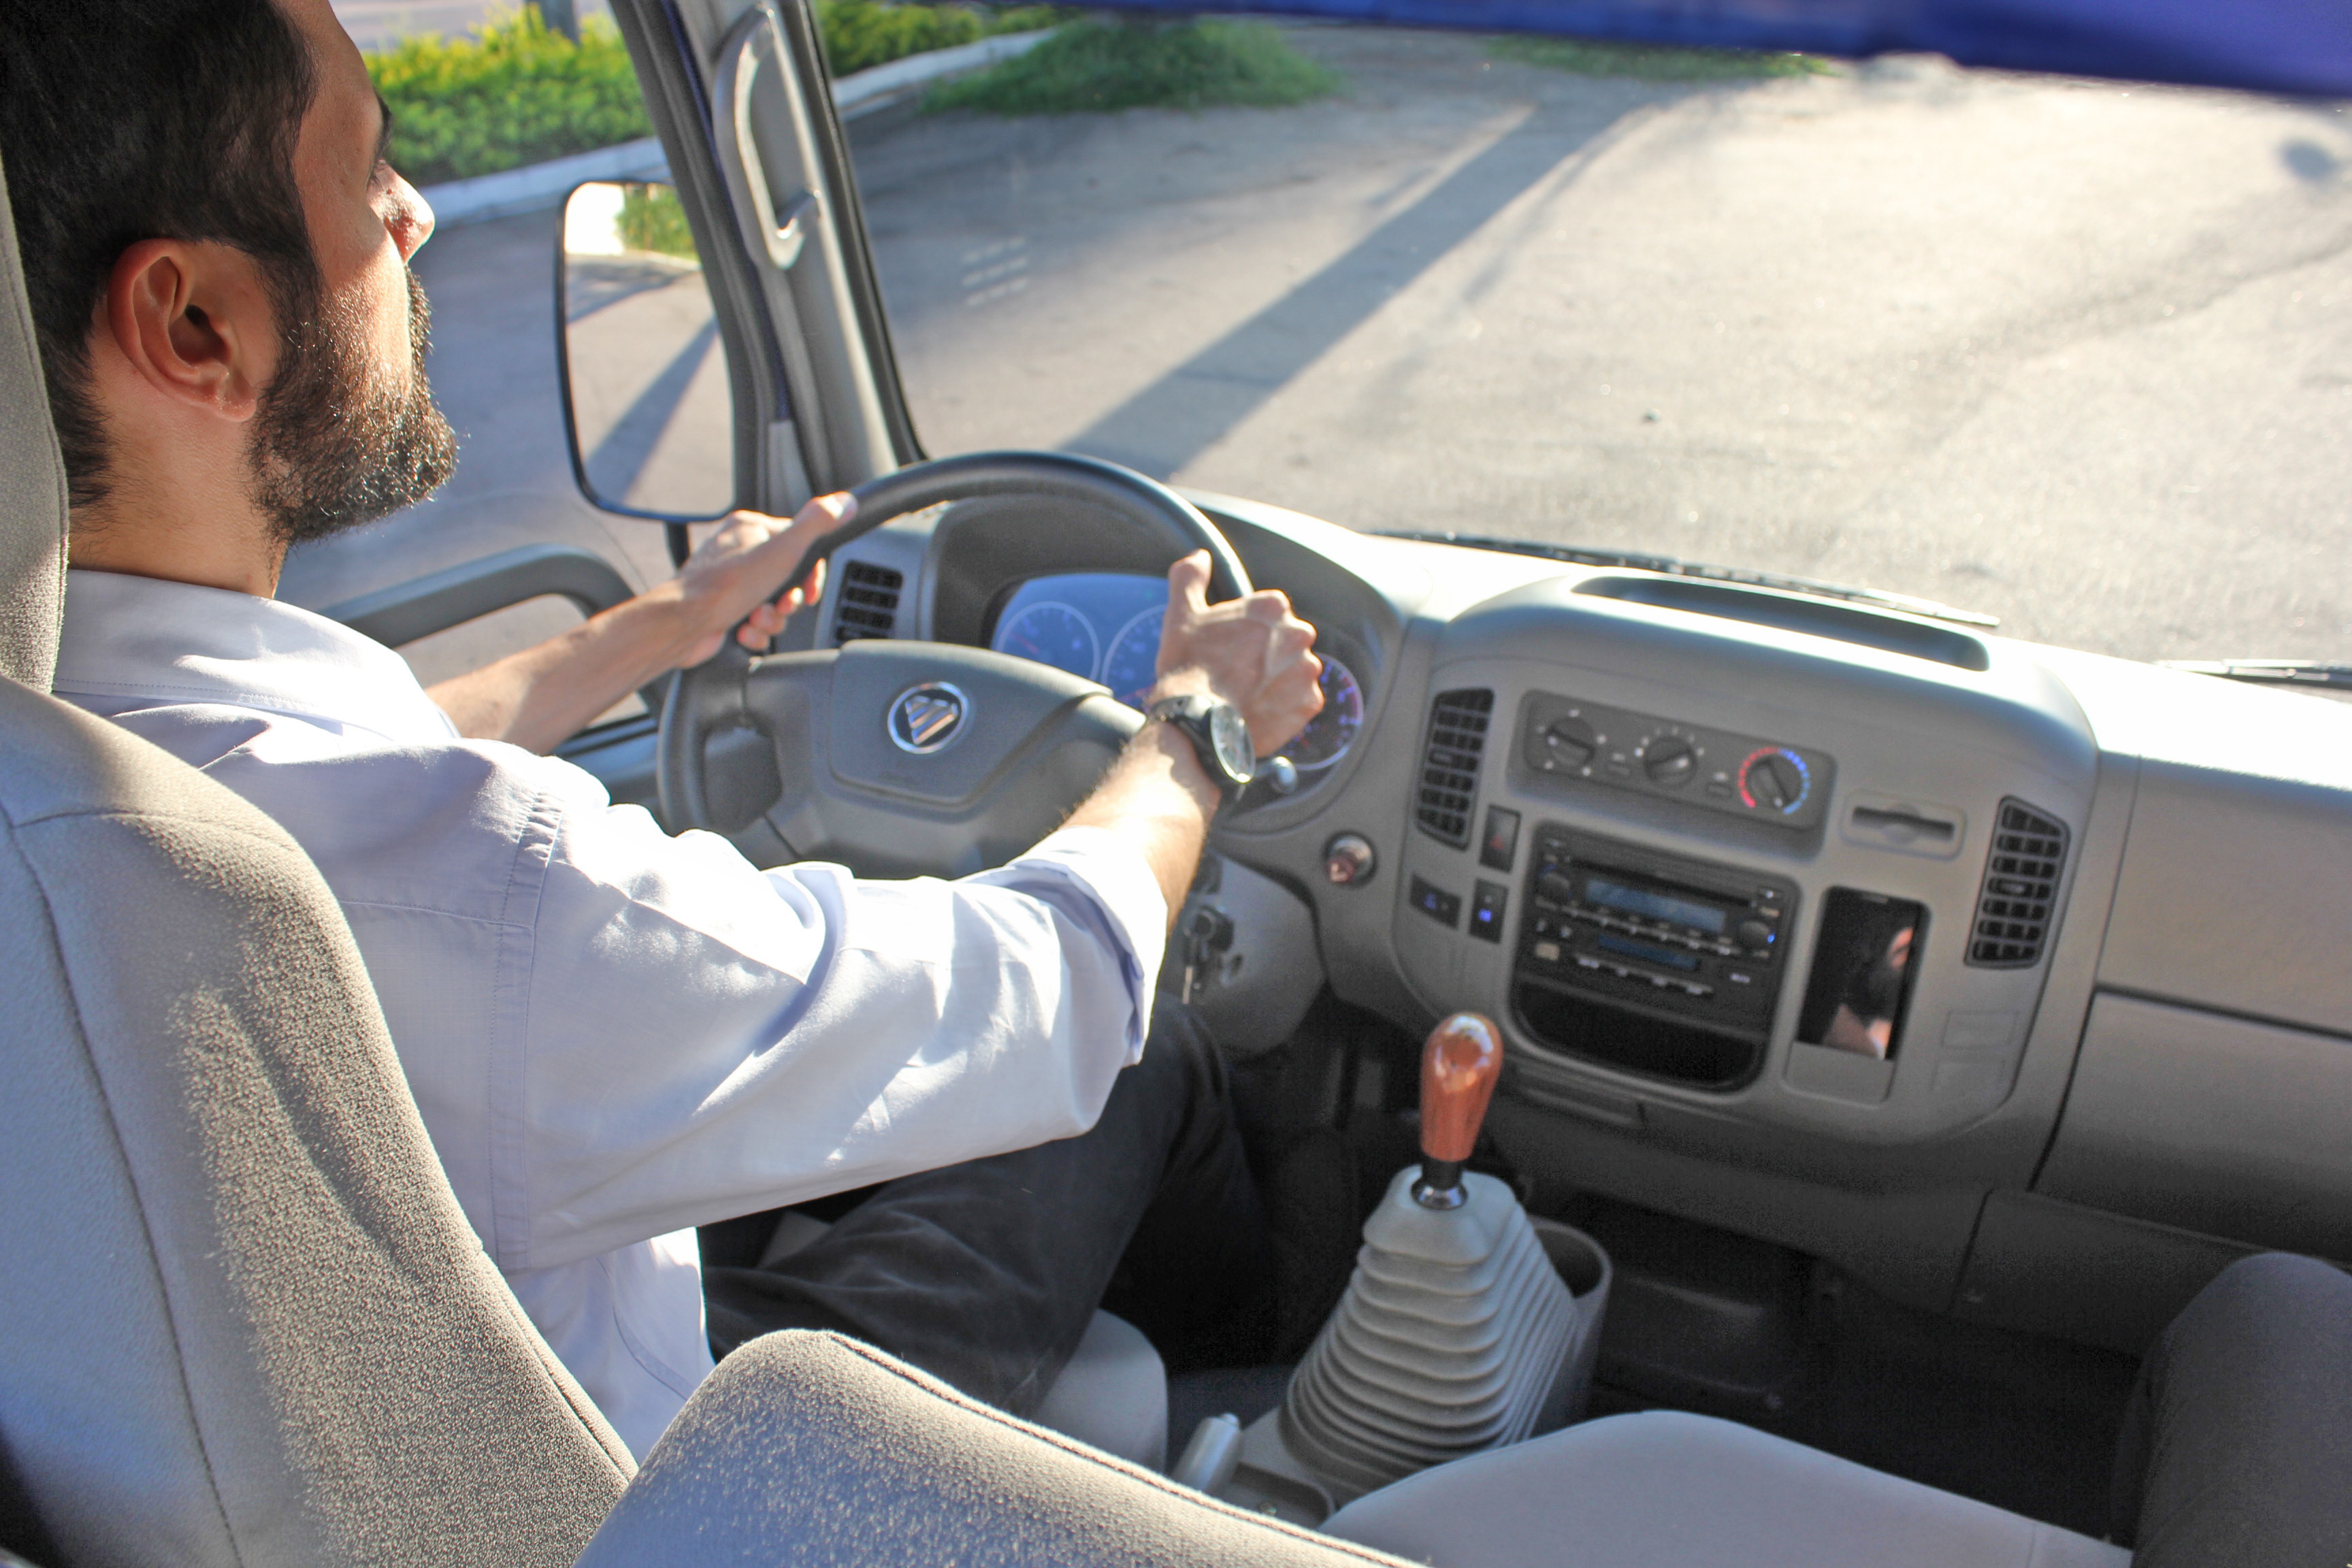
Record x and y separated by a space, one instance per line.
129 120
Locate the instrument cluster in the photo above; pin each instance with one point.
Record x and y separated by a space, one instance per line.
1104 627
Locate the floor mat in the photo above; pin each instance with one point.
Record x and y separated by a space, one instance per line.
2018 1421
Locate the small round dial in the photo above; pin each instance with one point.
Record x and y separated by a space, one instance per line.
1051 633
1133 664
1330 732
1670 761
1566 744
1775 779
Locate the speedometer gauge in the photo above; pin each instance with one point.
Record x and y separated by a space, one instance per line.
1051 633
1330 732
1133 664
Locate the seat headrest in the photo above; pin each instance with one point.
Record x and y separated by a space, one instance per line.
32 486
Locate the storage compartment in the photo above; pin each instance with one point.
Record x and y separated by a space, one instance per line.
1661 1048
1705 1320
2209 1123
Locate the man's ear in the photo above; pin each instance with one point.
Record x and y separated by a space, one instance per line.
194 324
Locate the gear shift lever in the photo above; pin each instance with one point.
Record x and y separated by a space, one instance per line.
1455 1334
1459 1068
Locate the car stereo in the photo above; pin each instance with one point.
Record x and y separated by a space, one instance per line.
1687 944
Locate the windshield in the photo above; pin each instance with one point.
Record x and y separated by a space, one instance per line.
2072 354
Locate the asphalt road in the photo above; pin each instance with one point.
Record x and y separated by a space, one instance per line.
2076 354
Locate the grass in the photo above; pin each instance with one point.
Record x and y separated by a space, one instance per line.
1095 65
1656 62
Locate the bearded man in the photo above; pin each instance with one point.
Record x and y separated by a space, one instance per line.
613 1035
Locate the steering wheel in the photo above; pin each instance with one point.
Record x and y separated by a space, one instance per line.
903 758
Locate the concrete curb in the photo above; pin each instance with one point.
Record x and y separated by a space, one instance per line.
538 186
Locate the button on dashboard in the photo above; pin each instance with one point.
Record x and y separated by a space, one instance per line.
1502 841
1486 910
1435 903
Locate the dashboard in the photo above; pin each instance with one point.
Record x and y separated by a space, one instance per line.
1985 970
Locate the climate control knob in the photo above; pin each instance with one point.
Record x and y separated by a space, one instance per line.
1775 779
1670 761
1566 743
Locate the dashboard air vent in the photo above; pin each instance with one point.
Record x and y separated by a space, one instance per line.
868 606
2020 889
1449 764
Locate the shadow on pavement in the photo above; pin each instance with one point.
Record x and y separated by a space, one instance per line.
1180 416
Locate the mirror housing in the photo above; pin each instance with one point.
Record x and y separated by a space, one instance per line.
644 373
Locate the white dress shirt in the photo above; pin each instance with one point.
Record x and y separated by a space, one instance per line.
613 1035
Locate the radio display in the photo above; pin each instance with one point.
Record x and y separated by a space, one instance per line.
1644 950
1656 906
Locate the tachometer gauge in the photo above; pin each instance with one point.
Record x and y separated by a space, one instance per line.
1330 732
1133 664
1051 633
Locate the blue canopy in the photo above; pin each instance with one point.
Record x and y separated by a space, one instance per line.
2302 46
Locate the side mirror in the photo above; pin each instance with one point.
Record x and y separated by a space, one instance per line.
645 399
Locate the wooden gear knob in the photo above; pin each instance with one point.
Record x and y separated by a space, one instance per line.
1459 1068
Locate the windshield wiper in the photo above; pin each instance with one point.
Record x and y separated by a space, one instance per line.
2273 671
1634 561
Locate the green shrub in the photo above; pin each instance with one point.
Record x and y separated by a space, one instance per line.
652 218
517 92
1656 62
1139 63
860 33
514 93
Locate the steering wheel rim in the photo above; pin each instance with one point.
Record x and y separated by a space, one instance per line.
710 696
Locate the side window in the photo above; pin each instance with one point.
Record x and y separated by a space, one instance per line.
496 126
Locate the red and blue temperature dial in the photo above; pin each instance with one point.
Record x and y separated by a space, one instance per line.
1775 779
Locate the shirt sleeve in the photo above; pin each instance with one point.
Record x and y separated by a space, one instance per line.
702 1040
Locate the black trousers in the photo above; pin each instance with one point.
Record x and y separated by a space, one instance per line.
986 1273
2237 1445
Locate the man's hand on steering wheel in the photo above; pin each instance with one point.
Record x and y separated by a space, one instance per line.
1251 651
742 572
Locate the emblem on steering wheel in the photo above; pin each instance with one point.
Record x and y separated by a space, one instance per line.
926 718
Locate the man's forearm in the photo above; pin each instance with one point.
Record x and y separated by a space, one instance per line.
736 580
537 697
1158 798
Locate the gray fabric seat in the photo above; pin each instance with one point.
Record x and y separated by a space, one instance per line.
1665 1489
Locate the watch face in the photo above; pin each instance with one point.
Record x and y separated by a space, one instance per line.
1230 734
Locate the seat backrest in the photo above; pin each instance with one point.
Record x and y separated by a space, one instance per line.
32 488
244 1322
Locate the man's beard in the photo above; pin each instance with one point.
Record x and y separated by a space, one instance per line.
336 443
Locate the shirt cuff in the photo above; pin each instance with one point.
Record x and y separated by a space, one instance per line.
1114 873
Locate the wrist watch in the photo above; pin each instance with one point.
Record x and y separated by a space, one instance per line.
1218 734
